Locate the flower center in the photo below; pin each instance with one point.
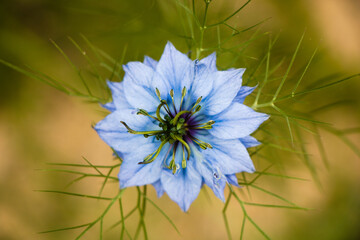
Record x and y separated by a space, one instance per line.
178 127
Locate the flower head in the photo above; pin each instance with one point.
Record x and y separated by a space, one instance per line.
179 124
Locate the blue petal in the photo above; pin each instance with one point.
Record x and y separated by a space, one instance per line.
139 73
183 187
202 83
162 84
230 156
130 116
158 188
117 92
134 174
150 62
115 134
232 179
237 121
225 87
138 95
243 93
109 106
210 62
211 173
173 66
250 141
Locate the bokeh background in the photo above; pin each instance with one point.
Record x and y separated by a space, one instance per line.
40 125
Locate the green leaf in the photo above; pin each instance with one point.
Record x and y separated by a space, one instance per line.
288 69
74 194
118 196
65 229
164 214
231 15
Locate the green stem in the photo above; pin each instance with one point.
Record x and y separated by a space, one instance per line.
122 218
202 30
139 209
103 214
143 212
224 216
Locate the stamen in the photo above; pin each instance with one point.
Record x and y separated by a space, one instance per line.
211 122
145 113
196 103
202 144
158 93
167 108
166 156
172 98
183 93
162 103
172 163
183 162
207 127
185 145
198 108
140 132
150 158
192 113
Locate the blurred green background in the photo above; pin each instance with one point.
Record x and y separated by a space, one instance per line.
39 125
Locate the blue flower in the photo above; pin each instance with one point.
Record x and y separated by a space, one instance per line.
179 124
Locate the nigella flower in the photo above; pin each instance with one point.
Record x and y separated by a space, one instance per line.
179 124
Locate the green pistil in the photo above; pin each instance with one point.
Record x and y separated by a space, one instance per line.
174 127
151 157
141 132
185 145
175 119
158 111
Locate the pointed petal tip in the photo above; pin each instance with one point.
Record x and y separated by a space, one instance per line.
222 198
148 61
264 116
168 43
251 169
169 46
267 116
184 208
110 84
158 188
